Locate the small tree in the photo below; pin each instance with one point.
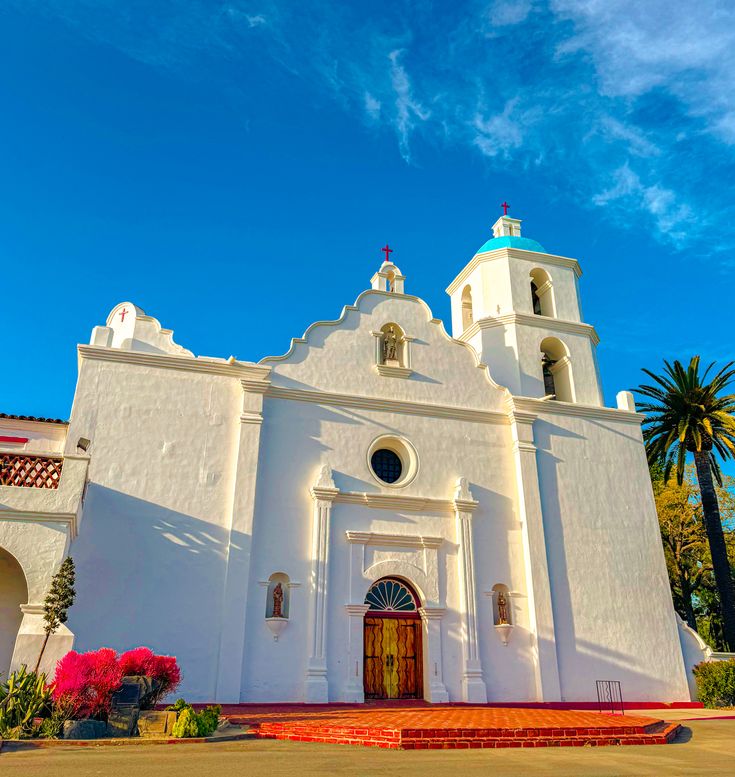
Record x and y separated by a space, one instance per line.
57 602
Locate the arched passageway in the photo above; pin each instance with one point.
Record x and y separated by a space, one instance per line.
13 593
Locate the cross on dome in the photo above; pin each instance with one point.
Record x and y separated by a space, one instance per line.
505 207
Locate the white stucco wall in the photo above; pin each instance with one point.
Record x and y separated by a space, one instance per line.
151 555
613 613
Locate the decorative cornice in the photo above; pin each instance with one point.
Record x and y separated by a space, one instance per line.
396 502
357 609
229 369
388 405
524 445
429 613
465 505
251 418
528 319
27 516
32 609
255 386
512 253
393 372
324 494
400 540
555 407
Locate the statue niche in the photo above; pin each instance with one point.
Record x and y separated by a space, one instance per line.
501 605
392 346
277 598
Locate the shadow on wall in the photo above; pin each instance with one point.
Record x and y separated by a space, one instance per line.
148 575
580 660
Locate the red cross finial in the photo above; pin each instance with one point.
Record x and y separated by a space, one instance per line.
387 252
504 206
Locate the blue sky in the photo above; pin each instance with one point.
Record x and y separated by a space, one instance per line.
234 167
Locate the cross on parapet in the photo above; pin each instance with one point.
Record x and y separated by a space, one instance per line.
504 206
387 252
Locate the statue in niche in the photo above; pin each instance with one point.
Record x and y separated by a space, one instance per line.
502 609
278 601
390 346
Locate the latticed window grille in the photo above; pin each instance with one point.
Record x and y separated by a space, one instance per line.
387 465
17 469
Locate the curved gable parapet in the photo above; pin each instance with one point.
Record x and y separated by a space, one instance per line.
343 356
130 329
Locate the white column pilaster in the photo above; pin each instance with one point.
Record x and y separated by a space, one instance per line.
541 615
434 689
355 689
473 683
323 493
242 511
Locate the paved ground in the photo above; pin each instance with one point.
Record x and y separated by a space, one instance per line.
705 747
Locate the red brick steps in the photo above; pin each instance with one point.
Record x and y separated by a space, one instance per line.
457 728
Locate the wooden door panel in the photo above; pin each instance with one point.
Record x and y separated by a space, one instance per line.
373 665
392 666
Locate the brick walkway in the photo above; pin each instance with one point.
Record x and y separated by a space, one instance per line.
447 726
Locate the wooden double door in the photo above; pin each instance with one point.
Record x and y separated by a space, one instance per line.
393 667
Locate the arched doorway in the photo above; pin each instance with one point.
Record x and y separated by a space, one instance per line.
13 593
393 667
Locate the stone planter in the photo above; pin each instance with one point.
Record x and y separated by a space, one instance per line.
84 729
155 723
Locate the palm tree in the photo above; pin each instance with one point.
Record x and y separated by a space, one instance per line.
686 414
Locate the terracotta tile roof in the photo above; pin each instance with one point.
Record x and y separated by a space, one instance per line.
12 417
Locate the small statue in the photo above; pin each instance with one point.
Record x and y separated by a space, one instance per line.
390 345
502 609
277 601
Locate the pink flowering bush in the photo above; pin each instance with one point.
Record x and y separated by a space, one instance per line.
84 682
163 669
166 672
138 661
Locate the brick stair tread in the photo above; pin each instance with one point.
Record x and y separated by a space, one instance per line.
433 739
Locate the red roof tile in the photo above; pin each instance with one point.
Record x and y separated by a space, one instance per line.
12 417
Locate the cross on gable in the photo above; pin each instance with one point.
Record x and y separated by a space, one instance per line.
387 252
123 313
504 206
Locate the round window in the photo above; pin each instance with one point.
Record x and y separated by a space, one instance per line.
392 461
386 465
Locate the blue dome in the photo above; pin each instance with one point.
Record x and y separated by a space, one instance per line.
524 243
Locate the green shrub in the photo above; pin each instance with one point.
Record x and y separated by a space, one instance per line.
194 724
186 724
716 683
23 697
207 720
178 705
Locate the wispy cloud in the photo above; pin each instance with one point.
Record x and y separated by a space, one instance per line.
628 105
408 110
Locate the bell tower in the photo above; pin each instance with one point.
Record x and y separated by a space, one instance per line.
519 307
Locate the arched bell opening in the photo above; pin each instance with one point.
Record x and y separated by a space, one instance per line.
393 663
556 369
542 293
467 313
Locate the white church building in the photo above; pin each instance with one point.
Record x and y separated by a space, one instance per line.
384 511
